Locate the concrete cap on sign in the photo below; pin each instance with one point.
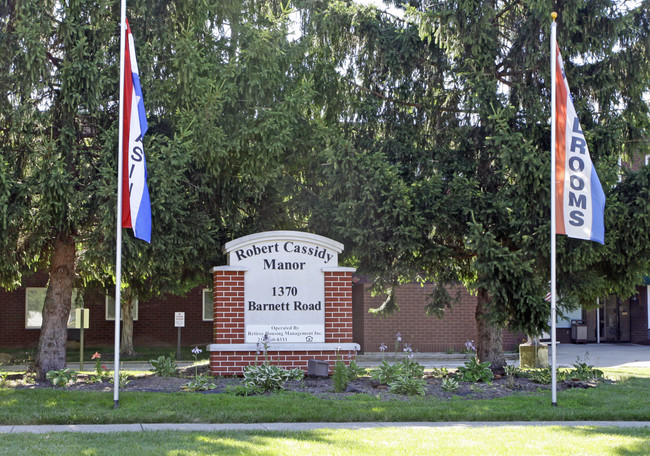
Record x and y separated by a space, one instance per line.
264 236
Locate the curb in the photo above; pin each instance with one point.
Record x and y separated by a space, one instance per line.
301 427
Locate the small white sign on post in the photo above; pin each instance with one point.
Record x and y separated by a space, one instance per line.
179 319
81 318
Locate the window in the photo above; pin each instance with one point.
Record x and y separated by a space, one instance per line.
34 302
208 305
110 309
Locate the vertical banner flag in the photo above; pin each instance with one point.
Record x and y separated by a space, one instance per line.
580 200
136 208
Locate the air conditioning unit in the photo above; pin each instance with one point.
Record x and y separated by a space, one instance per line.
578 332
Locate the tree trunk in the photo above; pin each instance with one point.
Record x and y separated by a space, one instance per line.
490 341
56 310
126 341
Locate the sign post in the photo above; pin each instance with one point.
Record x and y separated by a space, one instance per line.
81 322
179 322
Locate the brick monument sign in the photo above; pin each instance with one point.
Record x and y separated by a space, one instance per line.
287 286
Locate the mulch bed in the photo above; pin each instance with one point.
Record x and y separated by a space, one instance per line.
318 387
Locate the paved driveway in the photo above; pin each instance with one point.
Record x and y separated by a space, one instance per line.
604 355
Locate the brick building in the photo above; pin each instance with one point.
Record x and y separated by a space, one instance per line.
20 317
618 320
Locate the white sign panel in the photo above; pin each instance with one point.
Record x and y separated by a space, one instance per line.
284 286
179 319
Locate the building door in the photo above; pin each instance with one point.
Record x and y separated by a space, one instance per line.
615 320
624 327
610 320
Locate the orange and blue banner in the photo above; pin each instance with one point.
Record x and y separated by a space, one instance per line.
136 207
580 200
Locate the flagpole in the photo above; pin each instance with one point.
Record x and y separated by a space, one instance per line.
118 254
553 228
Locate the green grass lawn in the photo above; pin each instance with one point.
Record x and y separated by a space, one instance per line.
628 399
506 441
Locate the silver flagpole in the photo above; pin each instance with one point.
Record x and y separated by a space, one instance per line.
553 229
118 254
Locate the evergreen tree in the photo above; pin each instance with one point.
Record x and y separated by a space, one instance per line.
442 172
226 117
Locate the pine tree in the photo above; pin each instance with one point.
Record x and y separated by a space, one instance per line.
441 172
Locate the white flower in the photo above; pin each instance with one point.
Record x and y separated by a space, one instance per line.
382 347
399 337
196 350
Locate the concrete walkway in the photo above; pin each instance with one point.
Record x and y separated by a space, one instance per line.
301 427
597 355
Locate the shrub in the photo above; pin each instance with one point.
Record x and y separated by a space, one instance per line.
163 366
473 372
542 376
61 377
3 378
123 379
409 385
449 384
265 377
340 377
584 371
412 368
386 373
511 371
355 371
439 372
200 383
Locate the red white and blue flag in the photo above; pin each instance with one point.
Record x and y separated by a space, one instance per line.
136 207
580 200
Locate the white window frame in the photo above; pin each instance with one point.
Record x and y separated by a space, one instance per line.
647 302
620 169
76 304
109 302
207 302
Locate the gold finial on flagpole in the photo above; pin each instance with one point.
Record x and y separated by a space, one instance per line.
553 15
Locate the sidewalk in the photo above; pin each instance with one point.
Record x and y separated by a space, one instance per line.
299 427
597 355
141 366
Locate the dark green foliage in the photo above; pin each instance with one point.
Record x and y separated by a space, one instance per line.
61 377
404 377
473 372
386 373
164 366
443 124
268 377
340 378
409 385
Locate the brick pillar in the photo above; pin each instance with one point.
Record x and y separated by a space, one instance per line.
230 354
228 298
338 305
